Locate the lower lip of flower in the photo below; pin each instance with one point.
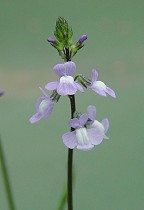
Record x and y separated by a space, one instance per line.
43 105
66 79
82 137
99 84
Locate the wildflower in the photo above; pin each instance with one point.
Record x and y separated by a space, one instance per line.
82 138
103 126
44 107
66 85
1 92
100 87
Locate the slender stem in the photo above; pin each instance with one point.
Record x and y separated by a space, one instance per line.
70 159
69 184
6 179
63 199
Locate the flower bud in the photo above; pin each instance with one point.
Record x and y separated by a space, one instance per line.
82 39
51 40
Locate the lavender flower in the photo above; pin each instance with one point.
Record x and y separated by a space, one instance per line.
66 85
1 92
44 107
98 86
103 126
82 138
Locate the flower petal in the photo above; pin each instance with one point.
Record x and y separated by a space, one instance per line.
83 119
48 109
99 87
36 117
74 123
52 85
85 147
66 86
105 123
70 68
69 139
59 70
79 87
110 92
96 124
94 75
38 101
99 91
91 112
95 136
67 68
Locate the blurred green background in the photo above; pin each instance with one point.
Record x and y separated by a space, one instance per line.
109 177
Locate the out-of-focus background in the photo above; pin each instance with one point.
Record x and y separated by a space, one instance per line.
109 177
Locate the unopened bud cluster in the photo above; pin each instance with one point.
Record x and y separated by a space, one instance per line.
63 40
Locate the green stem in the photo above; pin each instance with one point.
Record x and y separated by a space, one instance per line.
6 179
70 159
63 199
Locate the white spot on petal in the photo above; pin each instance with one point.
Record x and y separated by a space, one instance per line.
43 106
82 137
66 79
66 86
96 124
100 85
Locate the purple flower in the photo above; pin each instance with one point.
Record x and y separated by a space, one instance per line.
103 126
44 107
1 92
82 138
98 86
66 85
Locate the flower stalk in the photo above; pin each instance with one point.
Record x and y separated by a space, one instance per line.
70 160
85 130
